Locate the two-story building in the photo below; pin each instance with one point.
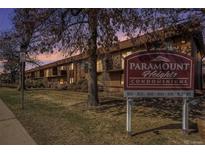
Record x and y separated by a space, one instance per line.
185 38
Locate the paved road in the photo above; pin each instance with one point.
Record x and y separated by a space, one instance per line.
11 130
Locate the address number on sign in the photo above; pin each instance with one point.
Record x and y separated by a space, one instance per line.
151 93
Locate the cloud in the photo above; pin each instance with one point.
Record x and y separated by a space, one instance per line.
50 57
46 58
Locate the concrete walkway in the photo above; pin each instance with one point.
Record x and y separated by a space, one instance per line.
11 130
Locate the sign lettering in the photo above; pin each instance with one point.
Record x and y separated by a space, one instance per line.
163 73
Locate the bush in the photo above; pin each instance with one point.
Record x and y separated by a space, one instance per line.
81 85
63 86
35 84
28 83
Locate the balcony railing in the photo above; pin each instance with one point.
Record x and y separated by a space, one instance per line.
114 63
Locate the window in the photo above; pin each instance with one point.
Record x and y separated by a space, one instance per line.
116 60
71 73
169 45
122 79
61 81
55 71
99 66
125 54
108 63
71 80
63 72
37 74
86 67
62 68
71 66
41 73
47 73
32 75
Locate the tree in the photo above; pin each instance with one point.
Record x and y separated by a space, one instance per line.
20 39
83 31
86 30
180 21
26 23
10 55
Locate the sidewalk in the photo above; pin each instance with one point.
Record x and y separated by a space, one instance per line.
11 130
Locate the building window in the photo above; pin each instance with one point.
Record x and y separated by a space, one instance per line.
41 73
122 79
71 80
125 54
116 61
32 75
169 45
47 73
55 71
71 66
62 68
37 74
99 66
63 73
61 81
86 67
71 73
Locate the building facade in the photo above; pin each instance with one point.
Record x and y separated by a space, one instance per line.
185 38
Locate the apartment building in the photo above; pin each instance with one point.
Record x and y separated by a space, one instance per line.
185 38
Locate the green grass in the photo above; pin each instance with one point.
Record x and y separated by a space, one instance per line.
62 117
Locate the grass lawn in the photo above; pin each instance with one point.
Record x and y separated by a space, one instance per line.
62 117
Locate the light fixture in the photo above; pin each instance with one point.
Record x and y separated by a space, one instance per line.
183 41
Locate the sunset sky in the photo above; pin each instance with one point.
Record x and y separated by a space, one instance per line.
6 25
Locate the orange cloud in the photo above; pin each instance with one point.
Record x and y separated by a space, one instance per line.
50 57
46 58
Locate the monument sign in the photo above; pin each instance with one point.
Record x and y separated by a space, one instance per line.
159 74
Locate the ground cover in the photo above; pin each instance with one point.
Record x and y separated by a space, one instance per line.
63 117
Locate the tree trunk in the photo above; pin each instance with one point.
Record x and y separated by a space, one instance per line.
13 78
198 66
199 70
92 53
22 75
